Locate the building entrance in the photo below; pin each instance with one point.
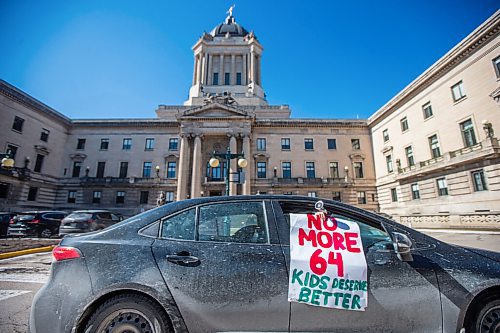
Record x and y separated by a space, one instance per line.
215 193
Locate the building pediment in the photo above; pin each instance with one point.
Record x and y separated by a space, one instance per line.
214 110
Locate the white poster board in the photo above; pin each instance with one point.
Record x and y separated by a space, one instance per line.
327 263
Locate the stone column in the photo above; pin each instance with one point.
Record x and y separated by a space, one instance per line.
196 177
244 79
248 169
233 69
204 65
198 69
210 64
195 68
252 66
183 170
233 165
258 71
221 69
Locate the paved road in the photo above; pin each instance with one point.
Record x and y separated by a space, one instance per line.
20 278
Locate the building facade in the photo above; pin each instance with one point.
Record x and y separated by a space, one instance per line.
429 157
124 164
435 149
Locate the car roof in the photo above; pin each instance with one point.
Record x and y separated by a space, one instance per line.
41 212
91 211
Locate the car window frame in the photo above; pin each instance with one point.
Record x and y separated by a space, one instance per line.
358 217
271 228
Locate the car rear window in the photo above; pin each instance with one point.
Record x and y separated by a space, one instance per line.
25 217
80 216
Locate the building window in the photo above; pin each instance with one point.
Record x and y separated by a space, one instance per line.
71 196
120 197
81 144
336 196
77 166
415 192
394 195
150 144
479 181
215 174
18 123
227 80
358 169
286 169
385 135
362 197
442 186
4 190
458 91
312 194
169 196
11 151
310 170
127 144
96 197
285 144
173 144
355 144
100 169
146 169
287 193
496 64
308 144
39 163
409 156
334 169
332 143
261 144
143 200
404 124
434 146
171 168
123 170
427 110
215 81
44 135
238 79
468 133
261 170
32 192
104 144
388 162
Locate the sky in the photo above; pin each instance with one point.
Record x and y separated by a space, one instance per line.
325 59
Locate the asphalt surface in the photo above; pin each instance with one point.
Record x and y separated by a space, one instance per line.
22 277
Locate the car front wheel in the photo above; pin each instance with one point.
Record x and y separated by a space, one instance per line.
488 318
129 313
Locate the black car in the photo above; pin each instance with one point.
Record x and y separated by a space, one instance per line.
82 221
5 218
43 224
223 265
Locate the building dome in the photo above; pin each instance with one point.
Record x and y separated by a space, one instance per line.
229 27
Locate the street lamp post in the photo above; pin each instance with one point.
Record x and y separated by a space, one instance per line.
7 161
228 156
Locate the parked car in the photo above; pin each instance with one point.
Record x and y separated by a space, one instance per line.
222 264
5 218
82 221
42 224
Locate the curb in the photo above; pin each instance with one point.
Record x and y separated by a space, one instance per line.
27 251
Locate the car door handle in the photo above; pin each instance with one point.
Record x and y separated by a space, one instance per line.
183 260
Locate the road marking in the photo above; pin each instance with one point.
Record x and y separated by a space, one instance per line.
30 278
5 294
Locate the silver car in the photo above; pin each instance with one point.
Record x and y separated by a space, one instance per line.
222 265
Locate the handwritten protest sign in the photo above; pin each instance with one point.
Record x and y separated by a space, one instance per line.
328 265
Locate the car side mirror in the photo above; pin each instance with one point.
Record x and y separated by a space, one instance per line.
402 246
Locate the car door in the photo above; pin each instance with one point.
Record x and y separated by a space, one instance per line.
105 219
225 268
402 296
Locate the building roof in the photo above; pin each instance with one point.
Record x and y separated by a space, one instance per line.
229 27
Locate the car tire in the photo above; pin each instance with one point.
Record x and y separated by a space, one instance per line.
487 318
45 233
129 312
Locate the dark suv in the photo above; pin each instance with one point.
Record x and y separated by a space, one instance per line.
36 223
5 218
81 221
